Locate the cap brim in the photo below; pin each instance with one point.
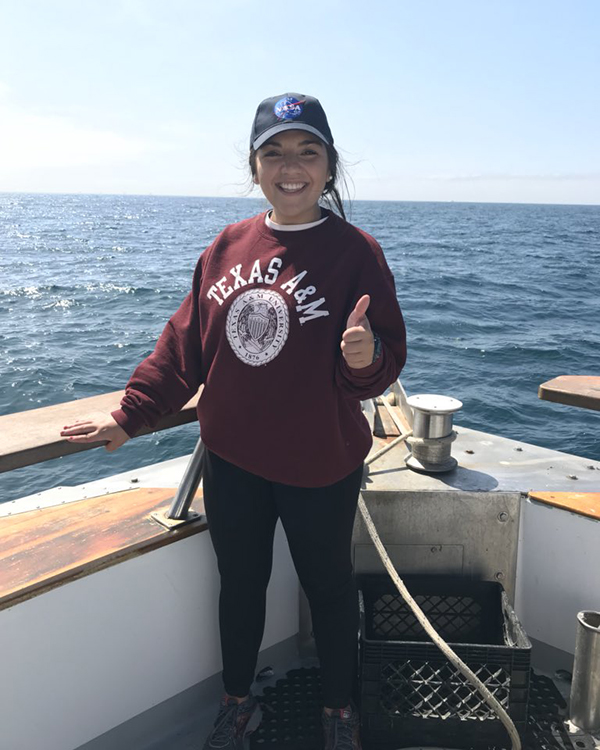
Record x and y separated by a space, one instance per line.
291 125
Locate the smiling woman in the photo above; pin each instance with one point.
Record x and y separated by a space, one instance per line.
271 143
292 171
296 295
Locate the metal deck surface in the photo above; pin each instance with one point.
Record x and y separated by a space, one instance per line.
490 463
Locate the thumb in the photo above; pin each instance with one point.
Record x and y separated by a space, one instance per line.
358 316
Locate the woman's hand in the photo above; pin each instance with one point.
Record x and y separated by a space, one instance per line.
358 343
95 428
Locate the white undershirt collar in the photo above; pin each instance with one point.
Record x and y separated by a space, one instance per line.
292 227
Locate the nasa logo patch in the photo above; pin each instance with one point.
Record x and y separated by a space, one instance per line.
257 326
288 108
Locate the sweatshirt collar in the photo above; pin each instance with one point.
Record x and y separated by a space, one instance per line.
314 230
292 227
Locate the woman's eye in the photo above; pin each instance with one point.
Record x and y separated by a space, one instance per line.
309 152
271 154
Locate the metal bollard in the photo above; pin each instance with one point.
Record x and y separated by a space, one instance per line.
433 435
585 689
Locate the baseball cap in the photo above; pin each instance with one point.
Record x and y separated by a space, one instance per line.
293 111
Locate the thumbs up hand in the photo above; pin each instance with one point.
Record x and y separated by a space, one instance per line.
357 340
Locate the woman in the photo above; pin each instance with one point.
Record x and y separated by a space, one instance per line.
292 320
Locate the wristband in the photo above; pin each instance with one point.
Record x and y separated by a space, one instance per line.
377 349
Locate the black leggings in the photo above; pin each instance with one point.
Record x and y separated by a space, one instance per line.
242 511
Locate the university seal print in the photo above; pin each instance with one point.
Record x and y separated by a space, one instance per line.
258 326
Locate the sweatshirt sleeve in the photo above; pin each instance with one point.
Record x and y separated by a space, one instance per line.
385 318
166 380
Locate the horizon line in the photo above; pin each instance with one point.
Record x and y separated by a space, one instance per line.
256 198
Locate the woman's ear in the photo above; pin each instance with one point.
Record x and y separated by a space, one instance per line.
255 179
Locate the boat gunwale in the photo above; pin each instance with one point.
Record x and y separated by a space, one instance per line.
139 532
43 549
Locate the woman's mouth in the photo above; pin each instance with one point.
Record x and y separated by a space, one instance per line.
291 187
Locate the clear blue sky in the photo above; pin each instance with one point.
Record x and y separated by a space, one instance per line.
466 100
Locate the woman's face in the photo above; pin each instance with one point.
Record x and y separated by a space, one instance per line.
292 168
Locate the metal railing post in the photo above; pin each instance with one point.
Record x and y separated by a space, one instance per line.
189 484
179 512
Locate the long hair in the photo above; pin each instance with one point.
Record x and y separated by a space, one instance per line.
332 192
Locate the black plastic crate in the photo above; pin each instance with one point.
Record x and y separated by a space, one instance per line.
410 693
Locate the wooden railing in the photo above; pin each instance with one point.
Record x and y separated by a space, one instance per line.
29 437
68 541
573 390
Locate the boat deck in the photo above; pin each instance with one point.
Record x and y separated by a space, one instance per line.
548 711
488 464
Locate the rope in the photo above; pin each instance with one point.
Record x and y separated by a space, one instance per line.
465 670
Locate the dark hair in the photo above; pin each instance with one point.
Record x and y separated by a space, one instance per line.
331 195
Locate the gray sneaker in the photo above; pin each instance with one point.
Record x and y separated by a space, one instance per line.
234 723
342 729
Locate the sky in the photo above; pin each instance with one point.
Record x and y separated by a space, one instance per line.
428 100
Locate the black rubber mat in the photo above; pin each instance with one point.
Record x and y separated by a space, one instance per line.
292 715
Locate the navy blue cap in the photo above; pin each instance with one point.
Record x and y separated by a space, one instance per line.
289 111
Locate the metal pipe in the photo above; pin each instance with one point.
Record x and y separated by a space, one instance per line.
585 688
188 485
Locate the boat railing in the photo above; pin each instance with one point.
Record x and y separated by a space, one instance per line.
573 390
32 436
76 535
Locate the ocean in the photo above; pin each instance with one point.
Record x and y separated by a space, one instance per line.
498 298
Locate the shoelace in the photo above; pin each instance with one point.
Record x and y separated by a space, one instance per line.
343 734
224 726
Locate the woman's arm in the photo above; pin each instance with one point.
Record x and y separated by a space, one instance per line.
356 375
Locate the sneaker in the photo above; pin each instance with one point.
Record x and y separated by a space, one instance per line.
234 723
342 729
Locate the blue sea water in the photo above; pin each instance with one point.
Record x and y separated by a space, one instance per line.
498 298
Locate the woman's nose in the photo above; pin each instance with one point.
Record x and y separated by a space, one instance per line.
290 163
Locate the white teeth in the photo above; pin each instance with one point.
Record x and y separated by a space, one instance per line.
291 185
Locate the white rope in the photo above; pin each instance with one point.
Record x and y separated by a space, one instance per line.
465 670
388 447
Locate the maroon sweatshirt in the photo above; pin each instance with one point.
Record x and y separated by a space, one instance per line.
261 328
